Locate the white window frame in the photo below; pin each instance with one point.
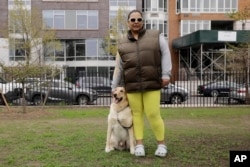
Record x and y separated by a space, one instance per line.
208 6
154 6
25 2
90 19
194 25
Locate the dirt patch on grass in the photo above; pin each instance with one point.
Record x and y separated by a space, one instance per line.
16 113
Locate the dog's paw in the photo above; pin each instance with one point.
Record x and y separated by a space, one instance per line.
108 149
132 151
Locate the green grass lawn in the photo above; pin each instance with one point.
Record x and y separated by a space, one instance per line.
75 137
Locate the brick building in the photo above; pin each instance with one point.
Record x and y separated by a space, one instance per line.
199 46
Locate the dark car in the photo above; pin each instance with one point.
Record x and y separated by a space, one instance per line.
173 94
59 90
10 91
100 84
220 88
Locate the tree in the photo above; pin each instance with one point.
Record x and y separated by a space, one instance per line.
241 16
239 59
30 40
118 28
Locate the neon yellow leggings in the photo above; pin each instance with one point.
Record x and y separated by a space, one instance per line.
149 103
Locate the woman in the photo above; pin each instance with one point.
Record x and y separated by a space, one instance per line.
143 67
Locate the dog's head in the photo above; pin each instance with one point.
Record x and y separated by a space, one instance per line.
119 95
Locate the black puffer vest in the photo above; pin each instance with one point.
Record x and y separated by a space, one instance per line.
141 61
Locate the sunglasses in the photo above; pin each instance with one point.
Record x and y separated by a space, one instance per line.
135 19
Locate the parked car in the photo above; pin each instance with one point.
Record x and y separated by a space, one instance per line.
173 94
10 90
220 88
100 84
59 90
239 94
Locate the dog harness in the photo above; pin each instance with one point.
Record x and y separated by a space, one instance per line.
125 127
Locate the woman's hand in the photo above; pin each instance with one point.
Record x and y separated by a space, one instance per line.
165 82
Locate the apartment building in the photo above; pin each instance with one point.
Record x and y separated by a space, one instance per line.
199 31
81 26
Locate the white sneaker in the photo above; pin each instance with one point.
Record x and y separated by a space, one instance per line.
139 151
161 150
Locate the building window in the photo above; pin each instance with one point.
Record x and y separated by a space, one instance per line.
71 19
18 21
52 54
25 2
119 3
48 18
59 19
92 20
92 48
157 25
77 50
59 53
178 7
155 6
189 26
208 6
80 48
81 18
17 50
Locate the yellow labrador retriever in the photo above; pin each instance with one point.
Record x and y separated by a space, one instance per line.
120 134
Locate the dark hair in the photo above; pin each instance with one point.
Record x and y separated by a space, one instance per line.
134 11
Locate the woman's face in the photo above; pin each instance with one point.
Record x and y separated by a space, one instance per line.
135 22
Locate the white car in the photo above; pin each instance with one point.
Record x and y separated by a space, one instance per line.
239 95
173 94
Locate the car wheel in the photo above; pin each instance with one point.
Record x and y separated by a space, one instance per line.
38 100
214 93
82 100
175 99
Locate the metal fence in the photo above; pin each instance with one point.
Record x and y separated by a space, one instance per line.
187 90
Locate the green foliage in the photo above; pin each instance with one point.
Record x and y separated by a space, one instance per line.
239 57
242 15
118 29
28 36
